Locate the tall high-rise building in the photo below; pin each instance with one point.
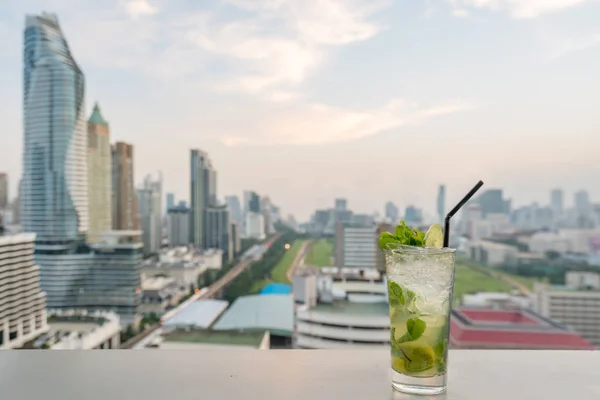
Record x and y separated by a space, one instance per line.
178 220
150 209
203 193
99 174
170 201
341 204
413 215
4 200
54 194
582 202
254 203
557 202
235 209
22 303
391 212
124 199
441 203
217 230
493 202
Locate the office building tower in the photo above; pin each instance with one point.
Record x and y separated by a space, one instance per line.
54 197
341 204
178 220
4 199
124 199
22 303
557 202
392 212
217 229
99 174
114 280
236 238
235 209
150 209
493 202
441 204
413 215
255 226
254 203
170 201
265 205
355 246
582 202
203 193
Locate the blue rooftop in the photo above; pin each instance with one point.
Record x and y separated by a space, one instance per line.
276 288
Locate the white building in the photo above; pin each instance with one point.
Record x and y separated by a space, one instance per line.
161 293
356 246
22 303
213 258
564 241
184 264
575 306
491 253
80 330
255 226
178 221
350 314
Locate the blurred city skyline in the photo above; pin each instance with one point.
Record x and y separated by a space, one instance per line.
512 105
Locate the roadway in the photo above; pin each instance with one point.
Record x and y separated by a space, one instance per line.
298 260
143 338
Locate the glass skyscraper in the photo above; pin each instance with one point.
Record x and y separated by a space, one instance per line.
54 197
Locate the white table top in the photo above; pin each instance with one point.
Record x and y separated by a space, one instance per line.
287 374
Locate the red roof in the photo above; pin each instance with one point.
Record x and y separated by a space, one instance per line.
472 328
507 316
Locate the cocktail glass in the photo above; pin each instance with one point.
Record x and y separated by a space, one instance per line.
420 284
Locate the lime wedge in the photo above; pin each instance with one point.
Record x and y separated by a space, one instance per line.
434 237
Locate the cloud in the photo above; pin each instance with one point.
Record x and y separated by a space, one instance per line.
138 8
313 124
562 47
284 41
520 8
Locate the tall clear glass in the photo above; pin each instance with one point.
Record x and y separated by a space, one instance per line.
420 285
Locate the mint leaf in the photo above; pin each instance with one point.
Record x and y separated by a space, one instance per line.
385 238
395 294
403 235
414 330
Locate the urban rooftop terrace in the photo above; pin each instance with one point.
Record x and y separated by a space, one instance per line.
289 375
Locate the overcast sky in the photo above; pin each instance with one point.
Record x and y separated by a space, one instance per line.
307 100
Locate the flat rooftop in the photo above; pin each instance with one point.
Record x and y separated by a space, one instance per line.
289 375
491 328
199 314
274 313
228 338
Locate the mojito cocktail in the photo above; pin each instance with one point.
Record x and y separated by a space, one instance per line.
420 280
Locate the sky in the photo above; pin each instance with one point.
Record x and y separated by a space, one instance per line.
309 100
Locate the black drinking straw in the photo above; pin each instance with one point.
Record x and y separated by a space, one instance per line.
455 210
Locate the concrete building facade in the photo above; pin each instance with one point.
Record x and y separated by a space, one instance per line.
22 303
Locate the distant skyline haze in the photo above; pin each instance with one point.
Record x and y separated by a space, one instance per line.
311 100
